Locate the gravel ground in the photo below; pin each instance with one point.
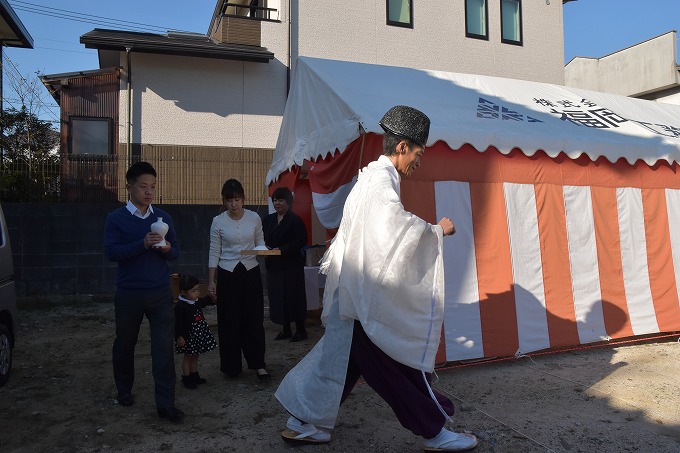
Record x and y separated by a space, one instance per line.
60 398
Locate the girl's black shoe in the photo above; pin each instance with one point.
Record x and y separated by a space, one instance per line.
197 378
189 382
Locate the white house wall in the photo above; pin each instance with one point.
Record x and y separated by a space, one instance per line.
358 32
210 102
203 102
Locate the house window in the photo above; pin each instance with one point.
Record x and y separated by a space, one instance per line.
476 19
90 136
511 22
400 13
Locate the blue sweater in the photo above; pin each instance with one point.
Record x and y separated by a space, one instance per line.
138 267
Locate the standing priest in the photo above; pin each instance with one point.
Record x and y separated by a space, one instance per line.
383 305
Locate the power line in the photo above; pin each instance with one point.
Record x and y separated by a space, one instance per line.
48 105
22 80
87 18
63 50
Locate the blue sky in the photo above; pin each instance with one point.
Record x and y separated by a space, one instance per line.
595 28
592 28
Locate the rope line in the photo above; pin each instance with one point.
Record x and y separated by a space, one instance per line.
511 428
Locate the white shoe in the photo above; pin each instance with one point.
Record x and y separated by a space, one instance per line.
300 432
449 441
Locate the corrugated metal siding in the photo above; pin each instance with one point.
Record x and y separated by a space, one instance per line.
89 178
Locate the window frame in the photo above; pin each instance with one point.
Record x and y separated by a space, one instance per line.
109 139
468 34
408 24
519 42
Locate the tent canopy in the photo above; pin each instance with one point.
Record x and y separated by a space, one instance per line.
332 102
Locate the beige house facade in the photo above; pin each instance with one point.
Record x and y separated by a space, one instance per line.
240 104
225 90
647 70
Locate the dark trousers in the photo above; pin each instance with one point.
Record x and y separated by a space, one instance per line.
287 297
130 307
400 386
240 314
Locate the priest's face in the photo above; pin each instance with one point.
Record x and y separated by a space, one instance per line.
408 157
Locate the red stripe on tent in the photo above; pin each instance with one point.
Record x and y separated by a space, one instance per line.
660 260
441 163
302 204
418 197
608 243
494 270
552 232
328 174
286 179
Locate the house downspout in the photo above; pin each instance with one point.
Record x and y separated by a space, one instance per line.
129 105
290 15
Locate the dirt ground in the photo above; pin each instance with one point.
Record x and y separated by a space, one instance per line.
60 398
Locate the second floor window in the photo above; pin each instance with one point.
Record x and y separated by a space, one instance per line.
400 13
476 19
511 22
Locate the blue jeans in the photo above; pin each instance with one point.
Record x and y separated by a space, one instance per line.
130 307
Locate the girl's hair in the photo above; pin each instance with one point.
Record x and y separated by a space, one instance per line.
232 189
187 281
283 193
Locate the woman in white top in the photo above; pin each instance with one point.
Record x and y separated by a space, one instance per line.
237 282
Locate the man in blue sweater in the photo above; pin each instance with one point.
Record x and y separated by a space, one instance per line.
143 288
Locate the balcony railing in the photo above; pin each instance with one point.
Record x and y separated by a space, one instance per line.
249 9
240 23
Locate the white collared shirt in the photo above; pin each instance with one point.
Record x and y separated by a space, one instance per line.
182 298
136 212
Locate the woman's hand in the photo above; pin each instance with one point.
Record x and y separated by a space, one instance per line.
212 289
180 342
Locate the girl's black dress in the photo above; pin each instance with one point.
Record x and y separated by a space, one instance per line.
192 326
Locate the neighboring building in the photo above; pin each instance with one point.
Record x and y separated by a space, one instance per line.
13 33
210 106
647 70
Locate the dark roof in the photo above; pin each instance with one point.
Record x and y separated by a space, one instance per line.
185 44
55 82
12 31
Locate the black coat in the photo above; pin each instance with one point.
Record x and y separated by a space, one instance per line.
290 235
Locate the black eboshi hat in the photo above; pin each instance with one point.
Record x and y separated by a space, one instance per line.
407 122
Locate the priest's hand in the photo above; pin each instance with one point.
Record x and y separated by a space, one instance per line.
447 225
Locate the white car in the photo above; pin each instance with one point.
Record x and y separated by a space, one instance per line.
8 303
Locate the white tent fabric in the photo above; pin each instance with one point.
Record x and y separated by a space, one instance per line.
548 253
331 102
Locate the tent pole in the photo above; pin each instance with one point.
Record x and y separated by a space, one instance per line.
362 132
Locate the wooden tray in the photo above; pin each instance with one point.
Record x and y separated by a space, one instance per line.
261 252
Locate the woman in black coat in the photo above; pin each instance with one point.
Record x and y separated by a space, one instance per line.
285 231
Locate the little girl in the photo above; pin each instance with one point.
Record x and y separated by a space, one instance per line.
192 333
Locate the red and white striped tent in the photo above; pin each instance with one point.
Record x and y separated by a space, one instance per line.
566 201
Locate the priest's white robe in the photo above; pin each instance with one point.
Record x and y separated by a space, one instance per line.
385 269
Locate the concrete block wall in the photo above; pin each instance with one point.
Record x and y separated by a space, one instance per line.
58 248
